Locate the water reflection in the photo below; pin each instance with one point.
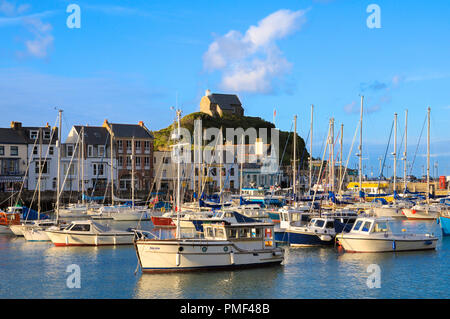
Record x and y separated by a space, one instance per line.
256 282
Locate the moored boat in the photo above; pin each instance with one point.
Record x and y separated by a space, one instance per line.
371 235
223 246
89 233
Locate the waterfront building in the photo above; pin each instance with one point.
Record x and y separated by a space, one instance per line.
218 104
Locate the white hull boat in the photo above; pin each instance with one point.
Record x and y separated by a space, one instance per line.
419 212
89 233
36 232
224 246
372 235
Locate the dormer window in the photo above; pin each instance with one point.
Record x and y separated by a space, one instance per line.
101 150
47 135
34 134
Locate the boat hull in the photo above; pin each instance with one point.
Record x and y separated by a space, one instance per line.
358 245
67 239
5 230
17 229
300 239
174 256
416 214
35 235
444 222
388 212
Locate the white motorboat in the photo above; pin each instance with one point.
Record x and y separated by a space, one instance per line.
36 231
423 212
121 213
89 233
223 246
372 234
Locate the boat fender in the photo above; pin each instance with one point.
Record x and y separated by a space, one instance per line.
232 257
177 260
413 211
394 245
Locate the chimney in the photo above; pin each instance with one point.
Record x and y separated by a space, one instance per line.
141 123
16 125
46 125
207 92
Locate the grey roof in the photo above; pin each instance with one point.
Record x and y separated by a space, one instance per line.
129 130
12 136
225 101
94 135
27 130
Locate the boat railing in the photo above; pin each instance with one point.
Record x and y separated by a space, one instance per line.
144 234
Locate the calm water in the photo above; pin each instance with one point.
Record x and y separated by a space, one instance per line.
38 270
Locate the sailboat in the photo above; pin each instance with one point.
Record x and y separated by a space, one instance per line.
223 246
425 211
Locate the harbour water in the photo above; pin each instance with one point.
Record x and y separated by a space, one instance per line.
39 270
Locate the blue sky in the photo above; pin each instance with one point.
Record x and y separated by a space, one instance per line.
132 60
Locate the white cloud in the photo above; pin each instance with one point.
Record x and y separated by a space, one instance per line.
250 62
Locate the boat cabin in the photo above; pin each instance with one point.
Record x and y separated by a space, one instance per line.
241 235
294 218
370 225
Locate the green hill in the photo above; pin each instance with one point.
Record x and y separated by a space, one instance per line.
162 137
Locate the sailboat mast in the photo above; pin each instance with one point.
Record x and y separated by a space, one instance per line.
405 168
112 167
40 173
341 158
395 153
82 165
428 158
310 148
332 154
294 182
242 165
58 177
360 144
178 175
132 171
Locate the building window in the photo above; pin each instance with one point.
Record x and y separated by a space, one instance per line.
166 160
120 146
147 161
129 146
138 161
232 171
69 150
120 161
43 168
137 145
14 150
35 150
101 150
51 150
47 135
128 161
98 169
90 151
34 134
147 146
2 150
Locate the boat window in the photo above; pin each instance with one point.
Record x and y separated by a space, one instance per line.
244 233
380 227
329 225
81 227
319 223
305 218
232 233
295 217
219 233
366 226
209 232
357 225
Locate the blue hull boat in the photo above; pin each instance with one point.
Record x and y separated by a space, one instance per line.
444 222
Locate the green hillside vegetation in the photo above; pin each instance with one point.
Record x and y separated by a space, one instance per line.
162 137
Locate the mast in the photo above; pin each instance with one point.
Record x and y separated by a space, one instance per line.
132 171
395 154
40 173
82 165
341 158
332 154
112 168
428 158
294 182
310 149
405 153
242 165
360 145
58 177
178 175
